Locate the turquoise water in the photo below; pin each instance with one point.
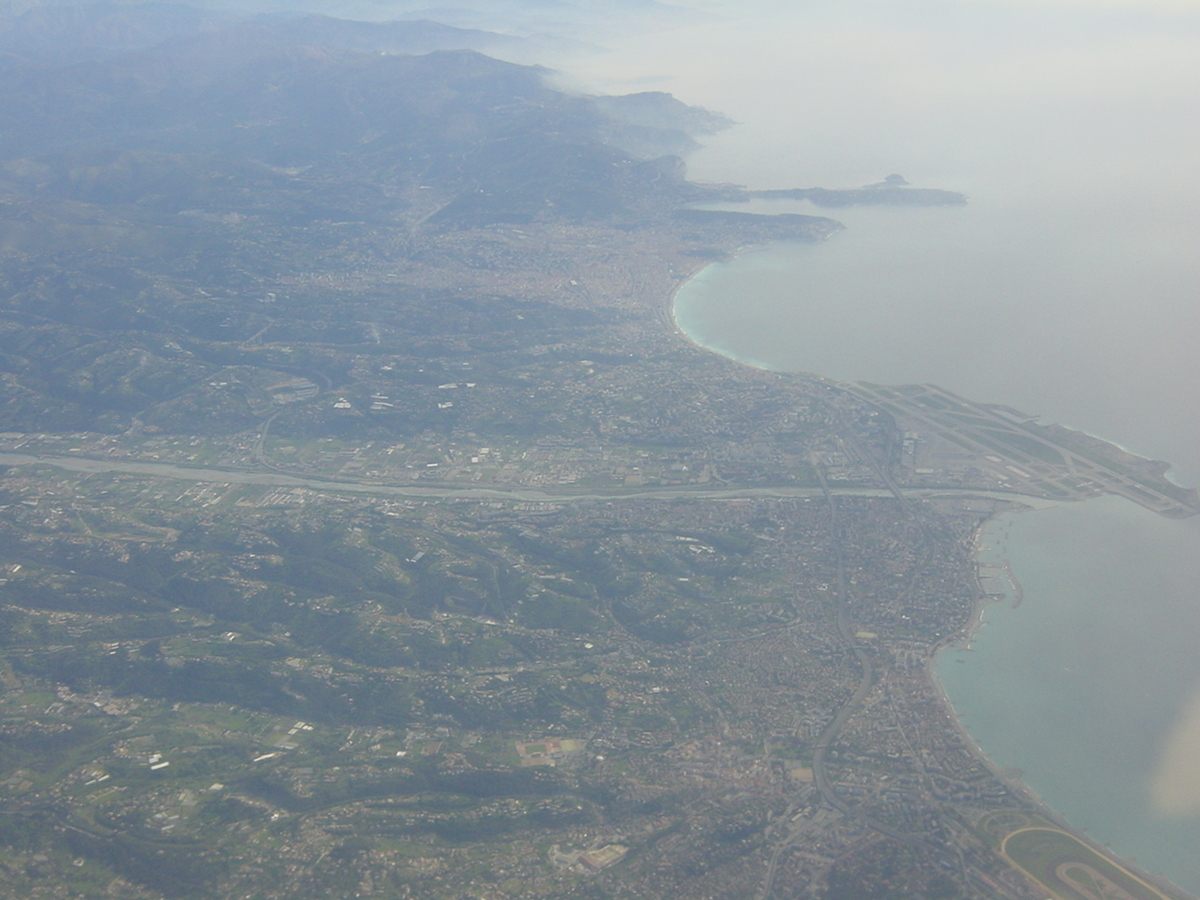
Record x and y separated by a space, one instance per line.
1092 685
999 303
1086 682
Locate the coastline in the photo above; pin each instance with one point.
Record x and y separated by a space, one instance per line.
670 310
1017 785
981 601
670 315
964 635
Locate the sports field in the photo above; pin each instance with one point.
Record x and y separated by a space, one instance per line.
1071 870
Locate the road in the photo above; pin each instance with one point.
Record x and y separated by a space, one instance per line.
829 736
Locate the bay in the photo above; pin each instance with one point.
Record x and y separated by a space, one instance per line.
1059 318
1066 288
1091 686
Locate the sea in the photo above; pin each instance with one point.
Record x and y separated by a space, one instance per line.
1091 685
1068 287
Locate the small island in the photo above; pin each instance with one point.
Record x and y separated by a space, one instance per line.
894 190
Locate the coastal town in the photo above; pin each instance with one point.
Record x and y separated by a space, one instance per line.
369 529
692 647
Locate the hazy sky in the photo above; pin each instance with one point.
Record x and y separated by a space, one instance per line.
936 89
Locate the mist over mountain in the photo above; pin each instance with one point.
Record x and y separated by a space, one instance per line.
169 146
70 32
61 34
296 102
580 19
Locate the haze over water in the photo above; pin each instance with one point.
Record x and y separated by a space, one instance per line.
1069 288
